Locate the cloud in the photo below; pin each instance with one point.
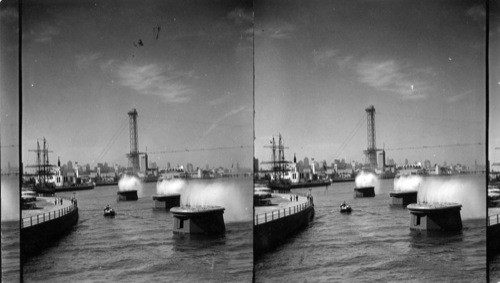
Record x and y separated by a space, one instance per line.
460 96
331 57
276 30
9 14
44 33
477 12
229 114
85 60
325 56
107 65
221 99
240 16
391 76
152 79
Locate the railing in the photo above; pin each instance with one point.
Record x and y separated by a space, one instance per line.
40 218
280 213
494 219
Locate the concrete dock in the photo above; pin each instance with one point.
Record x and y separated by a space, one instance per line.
282 206
493 231
46 223
46 210
274 224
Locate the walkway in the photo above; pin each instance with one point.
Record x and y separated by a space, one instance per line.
282 206
46 210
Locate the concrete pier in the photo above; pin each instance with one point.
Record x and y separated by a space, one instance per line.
206 220
127 195
403 198
435 217
167 201
363 192
493 232
42 226
275 224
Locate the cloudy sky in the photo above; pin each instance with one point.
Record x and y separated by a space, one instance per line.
9 84
186 66
9 107
320 64
494 82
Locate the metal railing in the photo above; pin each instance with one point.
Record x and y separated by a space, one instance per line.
280 213
47 216
493 219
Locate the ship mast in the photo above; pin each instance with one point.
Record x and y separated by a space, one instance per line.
278 161
42 162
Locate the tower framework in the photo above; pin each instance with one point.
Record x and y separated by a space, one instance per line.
133 156
371 151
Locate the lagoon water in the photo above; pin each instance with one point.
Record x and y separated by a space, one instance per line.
11 252
138 244
375 243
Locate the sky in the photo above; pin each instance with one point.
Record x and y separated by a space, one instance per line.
421 64
9 84
9 108
494 83
185 66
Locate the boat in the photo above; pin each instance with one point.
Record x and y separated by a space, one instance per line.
308 184
40 181
279 168
262 195
280 185
28 199
48 179
345 208
108 211
493 196
75 187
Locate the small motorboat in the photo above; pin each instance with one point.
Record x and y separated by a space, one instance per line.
345 208
108 211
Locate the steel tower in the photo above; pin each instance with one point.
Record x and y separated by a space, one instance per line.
133 156
371 151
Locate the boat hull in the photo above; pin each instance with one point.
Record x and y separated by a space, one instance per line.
74 188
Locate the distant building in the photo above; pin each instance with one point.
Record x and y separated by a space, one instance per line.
381 159
189 168
144 163
255 165
495 167
427 164
306 162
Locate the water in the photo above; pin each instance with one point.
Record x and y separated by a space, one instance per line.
374 243
10 251
494 268
138 245
493 256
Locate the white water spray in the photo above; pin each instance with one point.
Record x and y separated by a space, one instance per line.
407 183
174 186
130 183
367 179
467 191
232 195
